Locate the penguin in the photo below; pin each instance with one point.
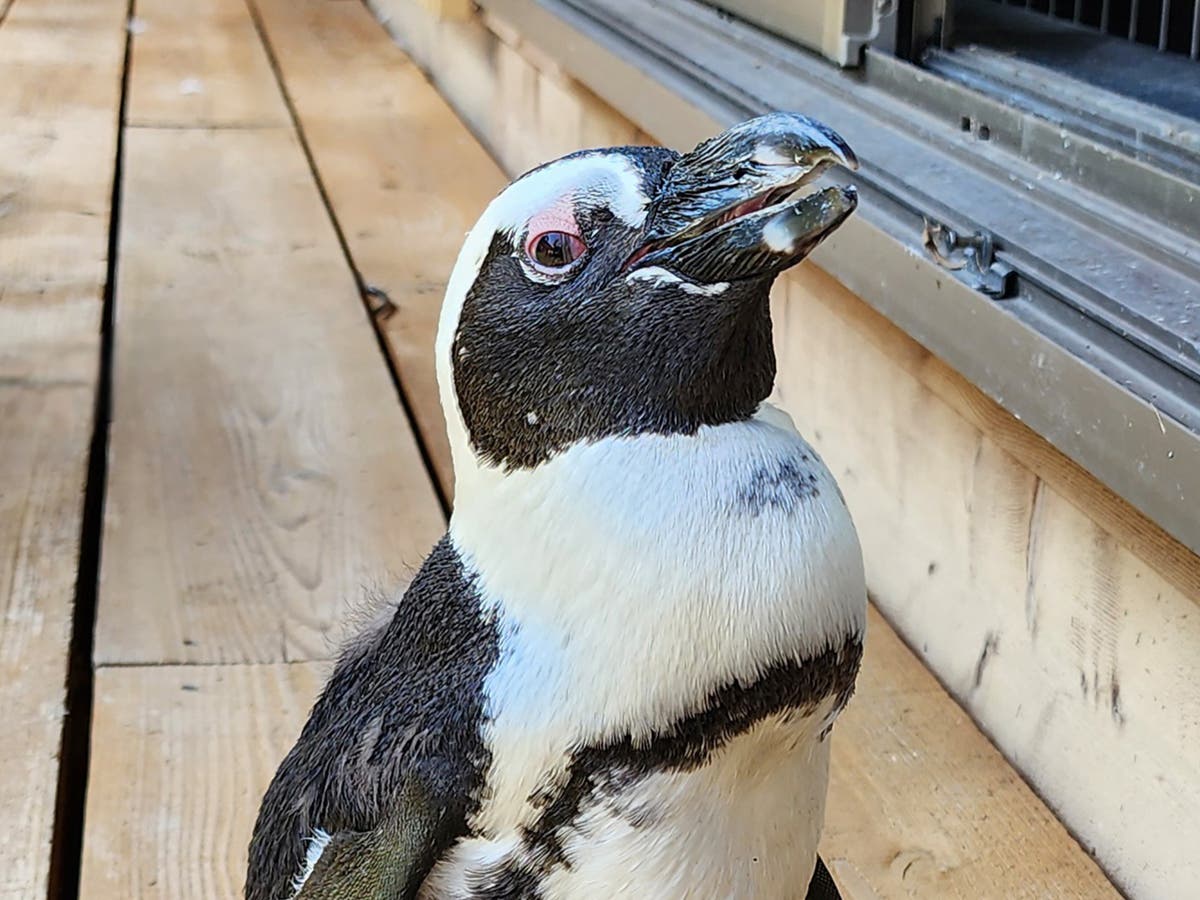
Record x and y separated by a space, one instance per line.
617 673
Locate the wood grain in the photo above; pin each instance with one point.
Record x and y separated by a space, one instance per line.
261 470
1075 654
405 177
448 9
922 805
181 756
60 73
463 72
47 416
200 64
1129 526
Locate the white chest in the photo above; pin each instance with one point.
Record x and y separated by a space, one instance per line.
745 825
631 579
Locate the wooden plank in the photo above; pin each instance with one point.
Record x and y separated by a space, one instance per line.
181 756
200 64
60 73
405 177
261 471
449 9
47 415
484 66
464 74
922 805
1077 655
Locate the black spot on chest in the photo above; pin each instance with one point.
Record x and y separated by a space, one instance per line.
728 712
782 486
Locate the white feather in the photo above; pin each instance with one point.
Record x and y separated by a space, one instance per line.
317 842
658 275
746 825
629 583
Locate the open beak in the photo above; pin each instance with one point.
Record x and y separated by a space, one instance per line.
724 212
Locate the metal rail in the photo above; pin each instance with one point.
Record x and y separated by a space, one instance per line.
1177 29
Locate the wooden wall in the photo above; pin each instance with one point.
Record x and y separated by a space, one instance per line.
1063 621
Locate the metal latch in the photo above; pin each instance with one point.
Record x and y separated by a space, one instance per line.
973 256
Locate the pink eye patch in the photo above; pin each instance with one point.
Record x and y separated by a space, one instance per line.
558 217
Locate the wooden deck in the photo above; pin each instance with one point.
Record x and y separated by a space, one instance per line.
220 423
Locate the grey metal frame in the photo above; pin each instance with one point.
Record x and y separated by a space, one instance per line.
838 29
1090 349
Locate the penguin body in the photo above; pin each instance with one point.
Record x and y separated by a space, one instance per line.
678 742
617 673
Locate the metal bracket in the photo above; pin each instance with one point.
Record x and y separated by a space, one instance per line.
973 256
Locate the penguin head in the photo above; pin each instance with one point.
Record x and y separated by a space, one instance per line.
624 291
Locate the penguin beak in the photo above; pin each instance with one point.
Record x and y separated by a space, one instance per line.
724 212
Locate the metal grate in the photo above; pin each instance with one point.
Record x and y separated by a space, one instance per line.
1169 26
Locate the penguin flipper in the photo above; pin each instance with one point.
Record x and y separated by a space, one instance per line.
383 772
822 885
386 863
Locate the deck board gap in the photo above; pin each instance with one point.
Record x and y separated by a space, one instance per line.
370 295
66 848
209 664
206 126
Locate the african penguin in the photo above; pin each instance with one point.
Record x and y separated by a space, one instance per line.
616 674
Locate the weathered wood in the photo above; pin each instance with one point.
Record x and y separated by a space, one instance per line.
448 9
1074 653
60 78
261 470
200 64
922 805
464 74
181 756
1131 528
485 69
405 177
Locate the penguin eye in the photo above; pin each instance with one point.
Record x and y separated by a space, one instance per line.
554 251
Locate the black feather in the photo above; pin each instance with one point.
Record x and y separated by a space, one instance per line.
822 886
404 708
